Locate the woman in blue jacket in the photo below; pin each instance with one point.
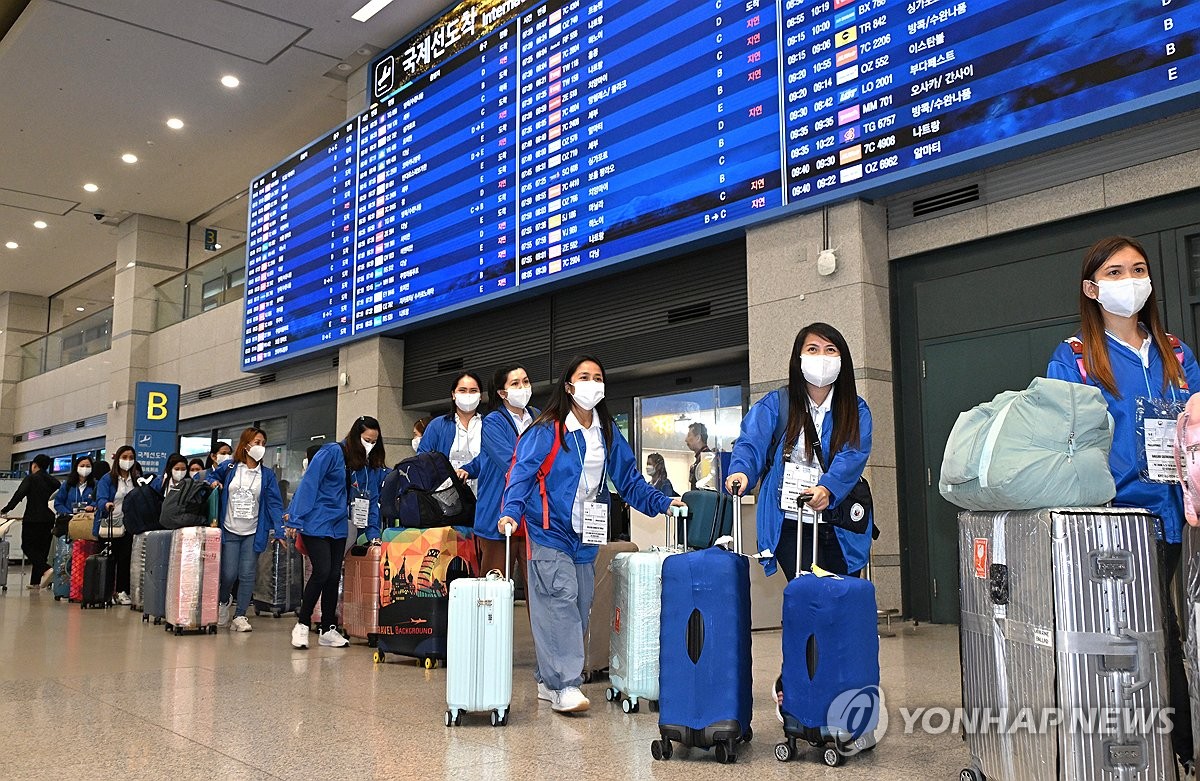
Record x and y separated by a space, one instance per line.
78 492
111 490
819 403
510 416
251 510
1123 349
459 433
577 448
340 484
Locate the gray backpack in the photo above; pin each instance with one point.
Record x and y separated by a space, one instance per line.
1046 446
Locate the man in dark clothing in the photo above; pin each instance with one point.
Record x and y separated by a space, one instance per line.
38 521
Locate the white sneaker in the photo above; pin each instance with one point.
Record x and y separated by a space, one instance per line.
299 636
224 611
122 599
47 578
570 700
544 692
240 624
332 637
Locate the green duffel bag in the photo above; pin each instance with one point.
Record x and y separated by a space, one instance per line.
1046 446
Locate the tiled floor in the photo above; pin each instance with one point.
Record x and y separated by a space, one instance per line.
99 694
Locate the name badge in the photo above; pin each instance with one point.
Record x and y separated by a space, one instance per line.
1155 421
360 510
595 523
245 508
798 479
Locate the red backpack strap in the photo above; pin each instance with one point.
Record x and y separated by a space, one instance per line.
542 473
1077 348
1177 346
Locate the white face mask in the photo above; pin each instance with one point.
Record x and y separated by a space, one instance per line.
368 446
519 397
416 442
304 466
223 458
195 475
256 452
126 464
821 370
1123 297
84 471
178 474
467 402
588 393
650 472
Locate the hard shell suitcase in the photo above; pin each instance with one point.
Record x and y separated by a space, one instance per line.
137 573
193 580
704 656
98 574
479 664
599 629
416 569
710 517
279 582
61 580
363 577
1074 624
80 550
157 545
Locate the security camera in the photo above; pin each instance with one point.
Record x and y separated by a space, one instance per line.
98 215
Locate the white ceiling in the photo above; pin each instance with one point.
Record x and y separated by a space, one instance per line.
84 81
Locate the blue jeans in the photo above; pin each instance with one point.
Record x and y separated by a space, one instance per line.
238 563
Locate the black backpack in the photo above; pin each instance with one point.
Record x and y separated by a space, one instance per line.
186 505
141 509
424 491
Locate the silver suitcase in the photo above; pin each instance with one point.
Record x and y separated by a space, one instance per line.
1061 614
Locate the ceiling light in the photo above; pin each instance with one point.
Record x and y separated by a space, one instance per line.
130 264
230 81
216 246
129 158
40 224
12 245
78 309
91 188
369 10
175 123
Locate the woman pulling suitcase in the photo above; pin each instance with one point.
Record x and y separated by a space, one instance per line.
557 486
110 495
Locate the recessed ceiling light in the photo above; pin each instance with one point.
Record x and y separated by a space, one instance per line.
78 309
40 224
91 188
175 123
230 81
216 246
129 158
12 245
130 264
369 10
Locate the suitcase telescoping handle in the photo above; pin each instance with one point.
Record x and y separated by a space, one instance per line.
676 513
801 500
508 530
736 497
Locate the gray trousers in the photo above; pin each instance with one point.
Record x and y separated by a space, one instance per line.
560 595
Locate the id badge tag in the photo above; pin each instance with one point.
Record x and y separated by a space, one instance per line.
1155 421
243 504
797 478
595 523
360 510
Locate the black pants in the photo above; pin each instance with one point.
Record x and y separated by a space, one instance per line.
35 544
122 551
829 550
326 554
1177 683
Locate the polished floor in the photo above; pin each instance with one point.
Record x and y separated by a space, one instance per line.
99 694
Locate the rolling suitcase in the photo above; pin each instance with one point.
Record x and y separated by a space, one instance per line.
830 657
98 575
193 580
637 610
60 585
137 573
416 569
1075 624
479 664
710 517
362 577
157 545
279 582
80 550
599 628
704 651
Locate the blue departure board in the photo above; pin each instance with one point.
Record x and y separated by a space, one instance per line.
514 142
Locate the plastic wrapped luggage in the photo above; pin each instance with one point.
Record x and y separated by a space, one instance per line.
193 580
60 583
80 550
416 569
99 571
599 629
157 547
1074 624
362 578
137 573
279 582
705 681
480 636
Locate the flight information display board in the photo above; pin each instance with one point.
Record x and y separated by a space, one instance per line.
511 142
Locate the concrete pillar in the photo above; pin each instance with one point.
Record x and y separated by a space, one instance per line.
22 320
149 250
786 293
371 382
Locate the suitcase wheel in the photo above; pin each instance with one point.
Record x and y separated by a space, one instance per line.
379 657
276 614
56 599
610 694
212 629
454 719
496 720
748 736
629 705
660 749
833 757
726 754
785 751
430 662
157 620
970 774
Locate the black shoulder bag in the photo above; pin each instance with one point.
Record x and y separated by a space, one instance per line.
855 510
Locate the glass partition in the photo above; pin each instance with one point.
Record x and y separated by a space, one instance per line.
680 426
83 338
214 282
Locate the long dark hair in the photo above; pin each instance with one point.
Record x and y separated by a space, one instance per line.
660 468
499 380
560 403
845 397
134 473
1095 346
454 386
73 478
356 454
172 460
